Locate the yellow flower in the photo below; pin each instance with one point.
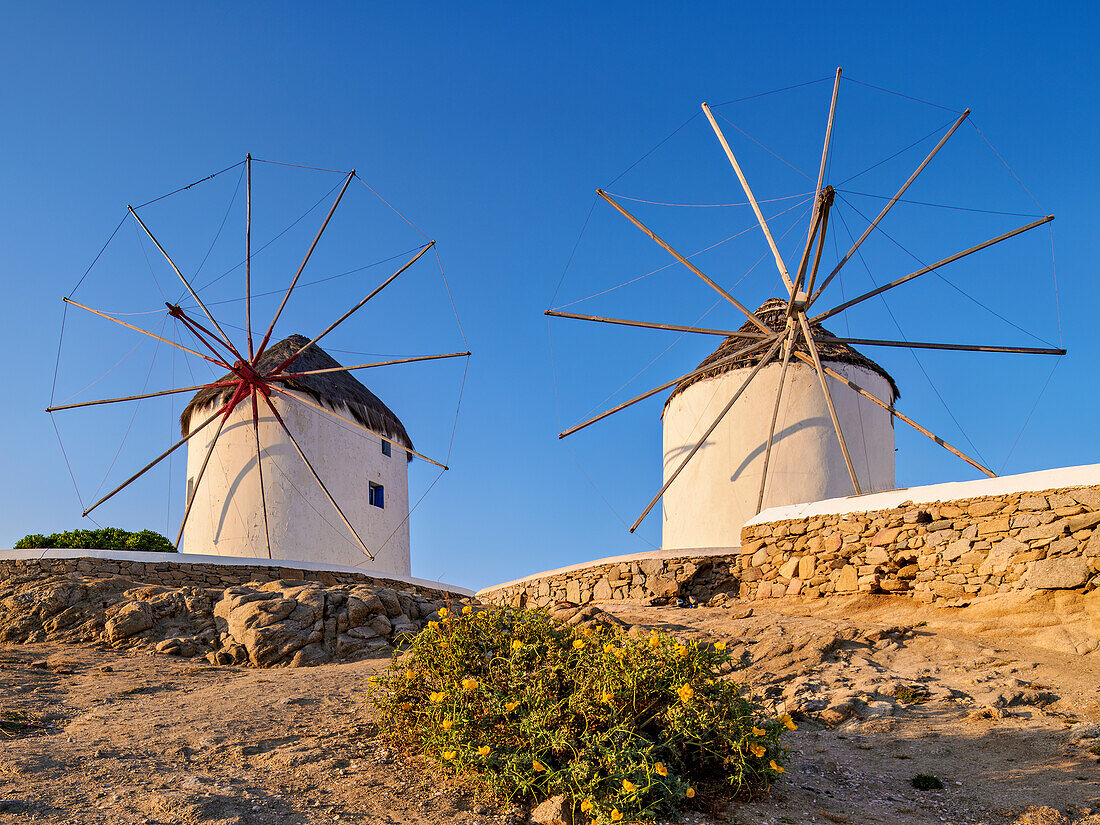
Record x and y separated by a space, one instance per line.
511 706
607 648
619 653
444 644
469 684
720 646
629 786
374 679
516 644
615 815
681 651
433 625
586 806
467 610
661 769
775 767
483 750
685 693
607 697
444 613
788 721
757 732
446 724
449 755
757 750
654 641
690 793
538 766
578 644
410 674
437 697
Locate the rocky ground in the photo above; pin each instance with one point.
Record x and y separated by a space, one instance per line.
990 699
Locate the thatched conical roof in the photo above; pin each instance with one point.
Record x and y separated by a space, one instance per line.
333 389
773 313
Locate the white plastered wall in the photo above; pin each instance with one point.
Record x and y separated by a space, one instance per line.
227 516
717 491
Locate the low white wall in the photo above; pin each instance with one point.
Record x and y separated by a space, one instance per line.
1084 475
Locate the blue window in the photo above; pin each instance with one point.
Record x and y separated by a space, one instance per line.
385 448
376 494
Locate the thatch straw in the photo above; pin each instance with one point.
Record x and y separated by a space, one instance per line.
333 389
773 313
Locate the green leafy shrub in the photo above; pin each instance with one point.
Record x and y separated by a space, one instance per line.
107 538
628 729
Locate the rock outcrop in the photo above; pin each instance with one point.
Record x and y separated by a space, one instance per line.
264 624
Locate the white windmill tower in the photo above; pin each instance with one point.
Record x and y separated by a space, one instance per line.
833 396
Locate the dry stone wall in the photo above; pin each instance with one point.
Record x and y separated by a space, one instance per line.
195 574
943 551
947 552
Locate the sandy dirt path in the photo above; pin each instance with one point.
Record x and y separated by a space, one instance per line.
1005 724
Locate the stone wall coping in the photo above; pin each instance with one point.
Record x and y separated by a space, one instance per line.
224 561
1085 475
671 553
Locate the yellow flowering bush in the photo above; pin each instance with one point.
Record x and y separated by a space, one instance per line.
629 729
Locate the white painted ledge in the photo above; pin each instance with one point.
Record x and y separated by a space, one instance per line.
224 561
1085 475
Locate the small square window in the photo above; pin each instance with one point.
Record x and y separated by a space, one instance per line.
385 448
376 494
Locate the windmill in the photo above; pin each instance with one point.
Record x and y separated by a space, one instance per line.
269 390
782 348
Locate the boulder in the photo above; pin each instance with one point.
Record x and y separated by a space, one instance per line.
131 618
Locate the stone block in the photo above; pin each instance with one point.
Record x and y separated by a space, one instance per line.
1088 496
1033 503
885 537
789 568
956 550
759 557
1057 574
1082 522
877 556
848 580
806 567
994 525
980 509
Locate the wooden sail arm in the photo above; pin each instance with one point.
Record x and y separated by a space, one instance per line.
714 424
195 388
890 409
288 375
779 263
224 338
874 342
888 207
725 333
218 362
698 272
301 267
924 270
317 478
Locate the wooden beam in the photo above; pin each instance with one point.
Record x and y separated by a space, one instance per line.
808 335
260 470
889 206
874 342
147 332
351 311
316 477
726 333
248 268
287 375
698 445
301 267
224 338
752 200
890 409
139 397
775 411
698 371
198 478
157 460
660 242
926 269
820 247
354 423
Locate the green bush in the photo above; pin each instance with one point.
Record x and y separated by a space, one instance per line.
107 538
628 729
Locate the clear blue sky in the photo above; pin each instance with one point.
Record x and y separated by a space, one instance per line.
490 125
